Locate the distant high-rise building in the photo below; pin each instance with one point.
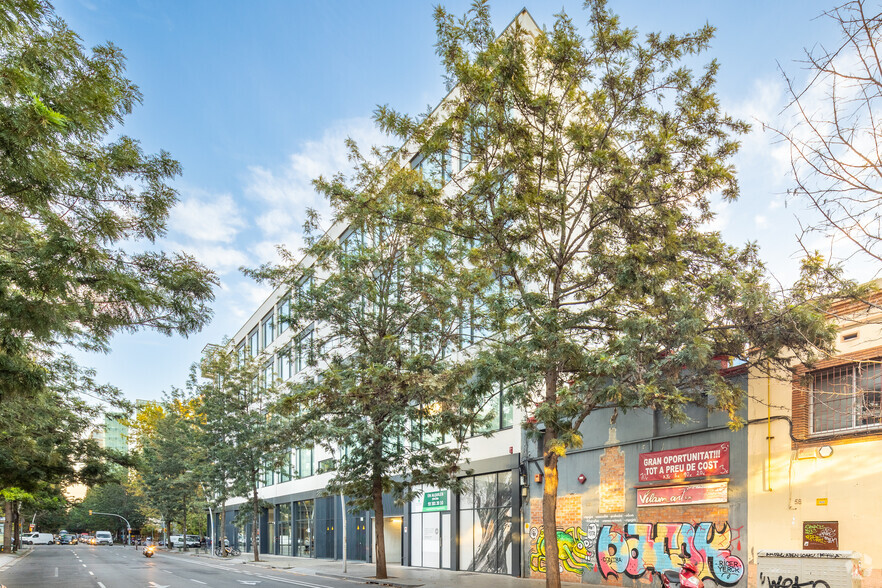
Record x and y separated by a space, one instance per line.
114 435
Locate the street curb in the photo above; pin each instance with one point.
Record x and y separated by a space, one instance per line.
386 582
16 558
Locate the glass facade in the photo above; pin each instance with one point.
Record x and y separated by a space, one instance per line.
283 540
283 309
304 463
485 524
304 528
269 332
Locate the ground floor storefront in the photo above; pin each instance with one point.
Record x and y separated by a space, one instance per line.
475 530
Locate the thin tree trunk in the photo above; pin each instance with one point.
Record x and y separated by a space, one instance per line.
7 527
222 532
549 495
16 528
255 544
379 538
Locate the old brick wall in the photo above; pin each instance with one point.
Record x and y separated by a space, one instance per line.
612 480
568 514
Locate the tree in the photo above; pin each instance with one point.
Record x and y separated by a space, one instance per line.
588 168
834 133
70 198
114 498
216 429
239 436
242 437
44 438
383 318
167 460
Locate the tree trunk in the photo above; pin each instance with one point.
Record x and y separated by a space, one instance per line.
7 527
255 544
16 528
185 526
379 539
549 495
220 540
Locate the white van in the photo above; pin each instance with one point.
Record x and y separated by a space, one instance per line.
103 538
37 539
178 541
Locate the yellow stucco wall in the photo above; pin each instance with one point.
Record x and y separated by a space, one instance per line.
786 483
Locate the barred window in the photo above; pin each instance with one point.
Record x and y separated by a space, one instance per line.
847 397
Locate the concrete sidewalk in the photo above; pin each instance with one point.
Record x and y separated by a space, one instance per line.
7 559
400 576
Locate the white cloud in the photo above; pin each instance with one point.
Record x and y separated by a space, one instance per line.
207 217
241 297
222 259
283 195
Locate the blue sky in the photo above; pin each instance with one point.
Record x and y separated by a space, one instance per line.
256 98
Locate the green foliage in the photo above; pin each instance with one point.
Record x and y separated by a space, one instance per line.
45 440
592 168
239 434
166 482
69 196
387 380
72 200
112 498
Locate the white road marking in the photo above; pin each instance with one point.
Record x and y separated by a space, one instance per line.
197 581
56 572
249 582
84 565
91 573
289 581
155 585
100 585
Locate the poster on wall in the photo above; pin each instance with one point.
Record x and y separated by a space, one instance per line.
823 535
688 462
683 495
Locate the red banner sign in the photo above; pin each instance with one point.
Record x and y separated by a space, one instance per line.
689 462
683 495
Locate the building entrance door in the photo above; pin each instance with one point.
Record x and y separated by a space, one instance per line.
360 539
392 538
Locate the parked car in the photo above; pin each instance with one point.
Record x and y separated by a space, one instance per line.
37 539
103 538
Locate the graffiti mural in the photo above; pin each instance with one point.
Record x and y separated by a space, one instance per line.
635 549
572 550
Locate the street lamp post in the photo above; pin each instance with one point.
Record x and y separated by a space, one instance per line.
211 517
110 514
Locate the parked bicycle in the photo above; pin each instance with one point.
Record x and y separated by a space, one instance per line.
227 551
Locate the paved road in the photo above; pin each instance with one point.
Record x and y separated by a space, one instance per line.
87 566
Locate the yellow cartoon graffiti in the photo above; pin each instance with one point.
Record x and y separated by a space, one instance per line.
572 551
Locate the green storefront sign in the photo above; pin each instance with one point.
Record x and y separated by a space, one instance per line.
433 501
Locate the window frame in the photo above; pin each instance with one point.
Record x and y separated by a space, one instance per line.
856 397
267 321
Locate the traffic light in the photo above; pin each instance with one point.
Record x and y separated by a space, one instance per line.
90 512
